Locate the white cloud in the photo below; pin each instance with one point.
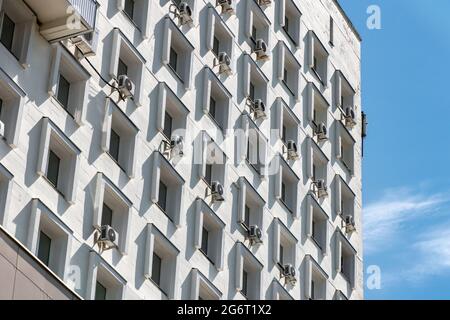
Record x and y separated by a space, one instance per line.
384 219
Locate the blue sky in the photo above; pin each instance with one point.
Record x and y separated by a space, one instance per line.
406 85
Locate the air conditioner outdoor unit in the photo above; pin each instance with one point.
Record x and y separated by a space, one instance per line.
176 146
126 87
350 224
321 132
224 62
109 237
322 189
2 129
264 2
259 109
185 13
217 192
261 50
350 117
289 273
292 150
255 234
227 6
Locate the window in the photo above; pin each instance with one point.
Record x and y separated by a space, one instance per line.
345 198
166 188
16 29
217 101
219 37
255 86
103 282
177 54
248 273
119 138
315 280
346 259
216 46
100 291
171 117
289 17
317 110
344 94
279 292
317 224
254 146
289 71
286 186
58 160
138 12
49 239
331 31
126 60
288 125
7 32
5 193
129 8
317 168
208 174
284 245
345 148
157 245
112 208
69 84
257 25
202 288
318 58
213 161
209 233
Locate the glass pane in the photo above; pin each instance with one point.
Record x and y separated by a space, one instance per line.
44 246
162 201
122 68
205 238
107 215
247 216
168 122
283 192
244 282
114 146
173 62
129 8
1 106
53 168
7 35
281 254
63 91
156 269
252 91
216 46
212 107
208 174
100 291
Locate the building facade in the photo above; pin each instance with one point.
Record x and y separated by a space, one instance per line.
184 150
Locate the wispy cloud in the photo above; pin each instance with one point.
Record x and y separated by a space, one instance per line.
384 219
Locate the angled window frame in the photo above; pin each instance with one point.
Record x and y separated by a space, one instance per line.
288 61
343 244
288 8
285 115
316 99
282 236
248 195
316 47
252 73
315 154
314 212
255 15
345 142
313 271
201 284
6 184
245 258
142 20
279 292
286 172
253 137
342 189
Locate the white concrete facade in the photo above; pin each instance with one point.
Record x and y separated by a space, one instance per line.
329 267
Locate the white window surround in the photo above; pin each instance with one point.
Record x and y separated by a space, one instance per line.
211 153
314 155
169 102
343 246
156 241
25 26
43 219
53 137
253 135
286 173
315 98
288 8
213 87
141 15
317 50
252 73
279 292
285 117
343 190
256 16
202 286
343 89
123 49
246 259
313 271
100 270
249 196
287 61
13 104
217 27
64 63
128 131
282 236
345 142
162 169
107 192
206 216
315 212
6 178
173 36
339 295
